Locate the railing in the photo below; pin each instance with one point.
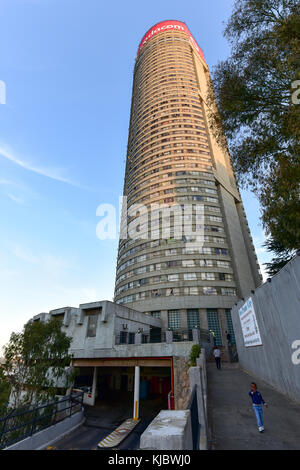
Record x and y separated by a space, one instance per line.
205 335
182 335
23 422
160 337
193 407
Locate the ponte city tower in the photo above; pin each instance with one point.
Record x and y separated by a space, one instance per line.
174 159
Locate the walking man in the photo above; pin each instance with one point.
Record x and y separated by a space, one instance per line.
217 354
257 401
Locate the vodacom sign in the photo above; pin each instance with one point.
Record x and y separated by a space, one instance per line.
167 26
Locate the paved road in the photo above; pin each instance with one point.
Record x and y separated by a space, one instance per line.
102 419
87 438
231 417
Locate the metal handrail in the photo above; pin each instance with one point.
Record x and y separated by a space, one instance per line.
17 422
193 407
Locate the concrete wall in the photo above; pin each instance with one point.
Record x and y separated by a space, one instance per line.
181 349
48 436
170 430
198 377
277 307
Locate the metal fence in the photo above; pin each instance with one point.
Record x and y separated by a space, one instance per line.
145 338
193 407
160 337
23 422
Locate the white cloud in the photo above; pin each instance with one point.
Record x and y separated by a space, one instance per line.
5 182
16 199
49 263
53 173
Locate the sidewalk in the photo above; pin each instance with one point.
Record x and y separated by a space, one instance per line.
231 418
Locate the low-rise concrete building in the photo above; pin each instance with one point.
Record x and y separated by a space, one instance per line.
120 352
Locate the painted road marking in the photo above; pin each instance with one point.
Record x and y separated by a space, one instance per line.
119 434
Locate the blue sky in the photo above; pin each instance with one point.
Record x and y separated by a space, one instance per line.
67 66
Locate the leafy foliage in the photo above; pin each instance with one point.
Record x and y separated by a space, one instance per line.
282 256
195 353
4 392
258 112
35 360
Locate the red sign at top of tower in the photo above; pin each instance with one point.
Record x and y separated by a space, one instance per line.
169 26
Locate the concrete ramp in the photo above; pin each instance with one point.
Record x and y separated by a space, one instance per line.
119 434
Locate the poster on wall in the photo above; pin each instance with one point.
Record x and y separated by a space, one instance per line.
249 325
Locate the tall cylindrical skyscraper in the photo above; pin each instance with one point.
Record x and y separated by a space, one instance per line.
173 159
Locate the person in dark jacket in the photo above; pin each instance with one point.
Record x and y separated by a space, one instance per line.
257 402
228 336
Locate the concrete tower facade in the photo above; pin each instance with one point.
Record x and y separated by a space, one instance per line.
173 159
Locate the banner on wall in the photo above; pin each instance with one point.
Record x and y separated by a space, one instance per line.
249 324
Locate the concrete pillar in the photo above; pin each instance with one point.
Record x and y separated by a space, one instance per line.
203 319
136 400
94 386
196 335
169 336
223 325
164 319
138 338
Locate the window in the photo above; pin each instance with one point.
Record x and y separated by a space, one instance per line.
172 277
193 318
156 314
207 276
143 269
188 263
214 325
173 291
174 319
223 264
131 339
191 291
190 276
171 264
210 291
156 293
228 291
92 323
123 337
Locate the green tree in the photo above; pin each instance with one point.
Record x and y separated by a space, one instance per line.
4 391
258 96
35 360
